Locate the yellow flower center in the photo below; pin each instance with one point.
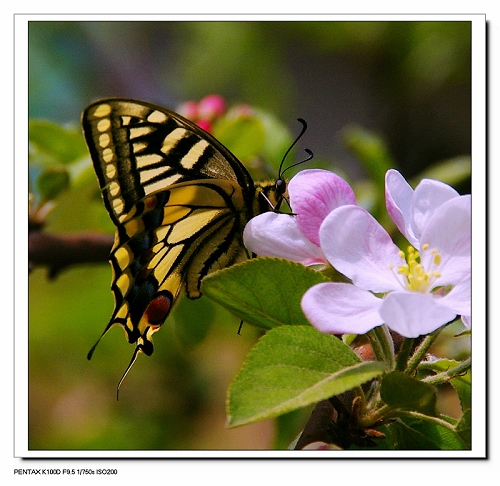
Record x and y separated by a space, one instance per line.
418 278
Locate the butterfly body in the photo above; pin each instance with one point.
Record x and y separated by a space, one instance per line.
180 201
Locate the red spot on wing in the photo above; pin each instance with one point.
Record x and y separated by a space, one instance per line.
159 308
150 202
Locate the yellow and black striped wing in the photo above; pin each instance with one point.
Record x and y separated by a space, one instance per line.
179 200
178 236
138 149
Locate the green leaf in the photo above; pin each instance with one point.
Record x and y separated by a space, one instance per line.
398 436
56 143
292 367
422 435
265 292
461 383
404 392
463 427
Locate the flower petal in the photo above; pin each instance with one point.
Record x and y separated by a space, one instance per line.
398 201
411 210
338 308
414 314
449 232
459 298
313 194
429 195
277 235
357 246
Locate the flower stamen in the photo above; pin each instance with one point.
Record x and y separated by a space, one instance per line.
418 278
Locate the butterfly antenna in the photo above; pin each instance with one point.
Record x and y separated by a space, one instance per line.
132 361
311 155
304 128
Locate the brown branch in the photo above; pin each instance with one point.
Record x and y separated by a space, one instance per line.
333 425
57 252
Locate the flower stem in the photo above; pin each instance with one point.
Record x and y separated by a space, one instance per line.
383 346
404 353
358 403
421 416
375 415
449 374
421 351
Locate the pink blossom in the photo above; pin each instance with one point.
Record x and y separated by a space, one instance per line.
313 195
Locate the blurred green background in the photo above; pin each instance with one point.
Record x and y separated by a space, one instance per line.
407 82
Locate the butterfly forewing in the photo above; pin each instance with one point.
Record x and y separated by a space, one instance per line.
179 199
139 149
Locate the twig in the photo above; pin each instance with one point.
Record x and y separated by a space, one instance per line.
57 252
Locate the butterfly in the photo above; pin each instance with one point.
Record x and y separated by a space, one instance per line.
179 200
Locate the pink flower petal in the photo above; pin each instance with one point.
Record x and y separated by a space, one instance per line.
338 308
211 106
412 314
313 194
189 110
277 235
357 246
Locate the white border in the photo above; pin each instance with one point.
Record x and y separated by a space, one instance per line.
479 341
479 231
21 241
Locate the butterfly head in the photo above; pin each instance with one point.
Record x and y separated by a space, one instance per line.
270 195
280 188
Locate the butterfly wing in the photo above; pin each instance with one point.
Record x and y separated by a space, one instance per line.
139 148
179 199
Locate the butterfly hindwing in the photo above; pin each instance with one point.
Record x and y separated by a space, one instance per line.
179 199
171 247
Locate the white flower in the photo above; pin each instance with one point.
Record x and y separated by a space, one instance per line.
414 294
410 209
